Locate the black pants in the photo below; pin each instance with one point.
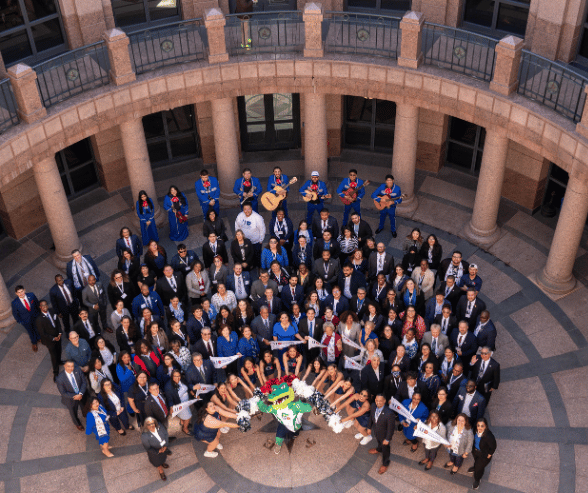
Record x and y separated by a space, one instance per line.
54 349
480 462
385 449
74 406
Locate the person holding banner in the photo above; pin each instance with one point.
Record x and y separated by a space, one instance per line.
381 427
333 344
482 450
418 410
176 392
208 426
357 408
461 440
269 367
432 446
285 330
292 361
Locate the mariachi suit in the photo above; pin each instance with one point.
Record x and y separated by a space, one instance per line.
317 205
356 206
271 183
254 187
206 194
396 195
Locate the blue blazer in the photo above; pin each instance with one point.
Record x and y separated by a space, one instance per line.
58 302
430 310
194 327
205 195
156 305
308 259
396 194
70 274
469 346
110 409
21 314
125 376
487 336
256 188
246 282
271 183
342 304
477 404
179 266
344 186
357 281
287 299
136 246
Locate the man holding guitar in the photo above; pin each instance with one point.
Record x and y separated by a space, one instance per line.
248 189
279 180
314 192
351 190
386 198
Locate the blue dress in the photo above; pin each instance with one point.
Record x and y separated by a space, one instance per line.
91 425
148 233
421 412
177 231
364 419
203 433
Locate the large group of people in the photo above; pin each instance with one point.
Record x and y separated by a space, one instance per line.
411 329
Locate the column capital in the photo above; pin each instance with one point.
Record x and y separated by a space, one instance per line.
411 42
117 44
215 21
26 92
412 21
313 12
507 63
213 17
313 39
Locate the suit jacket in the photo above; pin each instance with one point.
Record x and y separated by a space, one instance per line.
289 236
258 289
402 393
369 380
453 296
231 281
319 247
486 336
276 304
461 309
200 347
180 266
125 344
364 231
139 305
260 331
357 281
238 255
451 324
298 257
194 377
444 265
491 377
329 302
153 409
468 347
353 303
404 362
136 246
383 429
487 444
391 386
90 299
58 301
80 328
208 254
332 227
428 281
318 328
288 300
379 298
114 294
134 268
194 327
71 273
23 316
442 342
453 389
47 331
373 265
65 387
330 277
166 292
354 335
152 443
477 404
430 307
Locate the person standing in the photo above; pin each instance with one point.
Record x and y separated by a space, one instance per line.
97 423
146 212
208 192
155 440
176 205
79 269
63 301
392 191
25 309
482 450
381 427
94 297
128 240
72 386
351 183
279 180
248 189
253 227
49 329
485 371
314 185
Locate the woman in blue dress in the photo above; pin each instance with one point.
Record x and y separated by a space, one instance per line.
207 427
146 213
285 330
97 423
418 411
176 205
227 345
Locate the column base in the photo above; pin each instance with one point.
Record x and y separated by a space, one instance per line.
484 239
61 261
229 200
556 287
159 217
408 206
6 319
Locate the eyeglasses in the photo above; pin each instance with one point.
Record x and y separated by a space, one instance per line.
484 352
118 277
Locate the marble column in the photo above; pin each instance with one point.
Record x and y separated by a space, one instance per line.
556 277
404 155
6 319
315 136
56 207
482 228
226 149
138 164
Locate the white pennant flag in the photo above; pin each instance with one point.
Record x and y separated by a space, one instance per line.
351 364
179 407
205 388
284 344
425 431
220 362
312 343
349 342
400 409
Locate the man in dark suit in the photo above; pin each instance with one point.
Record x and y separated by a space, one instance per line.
350 281
446 320
470 402
182 261
486 373
128 240
85 328
49 329
94 297
326 242
239 282
336 301
380 261
215 246
454 382
433 307
119 289
485 331
273 303
262 328
72 386
147 299
63 301
206 346
155 406
201 371
372 376
381 427
360 228
451 292
311 326
392 382
379 289
78 269
464 344
292 295
469 308
454 266
25 309
327 268
410 386
195 324
170 285
325 222
359 303
259 286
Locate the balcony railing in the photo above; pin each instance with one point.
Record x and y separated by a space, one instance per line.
264 32
171 44
72 73
361 34
459 51
8 115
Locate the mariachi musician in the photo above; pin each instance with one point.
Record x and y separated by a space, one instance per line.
388 192
355 184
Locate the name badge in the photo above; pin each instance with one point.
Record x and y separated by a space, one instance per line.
246 282
143 305
123 296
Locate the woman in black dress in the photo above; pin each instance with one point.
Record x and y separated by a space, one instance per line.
242 251
214 224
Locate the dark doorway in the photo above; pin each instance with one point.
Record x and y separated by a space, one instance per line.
77 168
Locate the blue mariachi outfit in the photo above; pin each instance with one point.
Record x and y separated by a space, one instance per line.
255 187
317 205
356 206
271 183
206 194
91 425
148 233
395 195
177 231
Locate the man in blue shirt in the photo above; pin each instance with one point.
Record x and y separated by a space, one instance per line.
388 189
318 187
354 183
78 351
279 180
208 192
248 189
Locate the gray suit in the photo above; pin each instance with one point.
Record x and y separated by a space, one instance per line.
258 291
260 331
332 273
90 299
152 446
442 342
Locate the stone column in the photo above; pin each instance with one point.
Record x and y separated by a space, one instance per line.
506 69
582 126
59 218
226 149
117 44
108 15
138 164
315 136
556 277
411 44
404 155
482 228
313 24
28 99
6 319
215 22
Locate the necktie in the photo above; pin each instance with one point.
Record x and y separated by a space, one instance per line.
242 286
356 229
128 240
434 346
147 301
202 373
27 306
48 315
293 295
447 290
162 404
378 412
481 372
478 329
269 305
445 320
209 349
66 295
74 384
324 225
460 341
213 246
311 329
359 305
469 310
95 292
172 281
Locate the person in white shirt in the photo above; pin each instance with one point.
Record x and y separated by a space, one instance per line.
253 227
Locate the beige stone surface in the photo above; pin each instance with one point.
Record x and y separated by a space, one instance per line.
7 414
448 191
525 260
575 397
508 352
497 285
17 376
68 479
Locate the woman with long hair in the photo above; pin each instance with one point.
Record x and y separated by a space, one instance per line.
146 212
269 367
176 392
358 414
113 401
483 449
176 205
461 440
431 446
208 426
155 258
146 277
242 251
130 265
97 423
214 224
432 251
274 251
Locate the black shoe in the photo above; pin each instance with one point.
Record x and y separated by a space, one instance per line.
168 452
171 439
400 427
394 234
165 466
471 469
379 230
132 415
476 485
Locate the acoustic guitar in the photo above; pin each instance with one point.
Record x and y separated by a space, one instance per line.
386 201
270 201
350 195
311 196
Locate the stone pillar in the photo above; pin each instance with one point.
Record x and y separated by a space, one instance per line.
556 277
482 228
215 22
226 149
582 126
108 15
121 70
138 164
315 135
28 99
506 68
3 72
59 218
411 44
6 319
313 25
404 155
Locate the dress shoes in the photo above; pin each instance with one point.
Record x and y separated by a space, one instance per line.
80 427
379 230
471 469
394 234
165 466
163 476
373 451
35 348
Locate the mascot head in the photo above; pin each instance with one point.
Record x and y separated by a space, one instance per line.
281 395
